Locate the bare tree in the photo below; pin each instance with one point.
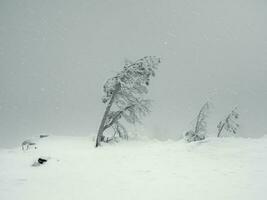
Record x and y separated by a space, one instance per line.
126 91
229 123
199 132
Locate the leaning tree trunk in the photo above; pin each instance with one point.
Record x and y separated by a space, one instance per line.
220 131
198 120
103 122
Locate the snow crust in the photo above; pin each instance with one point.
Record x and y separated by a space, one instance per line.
221 169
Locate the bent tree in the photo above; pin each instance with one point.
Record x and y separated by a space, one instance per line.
126 92
199 132
229 124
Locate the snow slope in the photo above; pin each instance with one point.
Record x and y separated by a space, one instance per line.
216 169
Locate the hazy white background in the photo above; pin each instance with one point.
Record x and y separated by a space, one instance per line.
56 55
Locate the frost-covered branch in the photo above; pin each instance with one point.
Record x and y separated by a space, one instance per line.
114 117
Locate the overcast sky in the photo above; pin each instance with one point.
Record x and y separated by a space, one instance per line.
56 55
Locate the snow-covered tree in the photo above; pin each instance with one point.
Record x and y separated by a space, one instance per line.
229 123
199 132
126 92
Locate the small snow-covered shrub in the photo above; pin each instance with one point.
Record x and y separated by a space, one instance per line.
191 136
199 132
25 145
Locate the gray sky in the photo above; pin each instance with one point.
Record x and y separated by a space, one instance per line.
56 55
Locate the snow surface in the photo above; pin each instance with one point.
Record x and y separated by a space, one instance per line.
215 169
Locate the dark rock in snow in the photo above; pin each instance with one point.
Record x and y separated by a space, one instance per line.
41 160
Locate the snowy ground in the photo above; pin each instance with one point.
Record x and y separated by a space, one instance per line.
217 169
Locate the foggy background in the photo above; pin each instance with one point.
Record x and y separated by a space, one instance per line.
56 55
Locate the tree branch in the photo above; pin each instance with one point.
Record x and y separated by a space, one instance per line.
116 117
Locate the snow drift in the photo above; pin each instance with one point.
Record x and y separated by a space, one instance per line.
225 168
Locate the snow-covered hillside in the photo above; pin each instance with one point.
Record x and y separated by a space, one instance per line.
216 169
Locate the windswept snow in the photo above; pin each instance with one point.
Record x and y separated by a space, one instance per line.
215 169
